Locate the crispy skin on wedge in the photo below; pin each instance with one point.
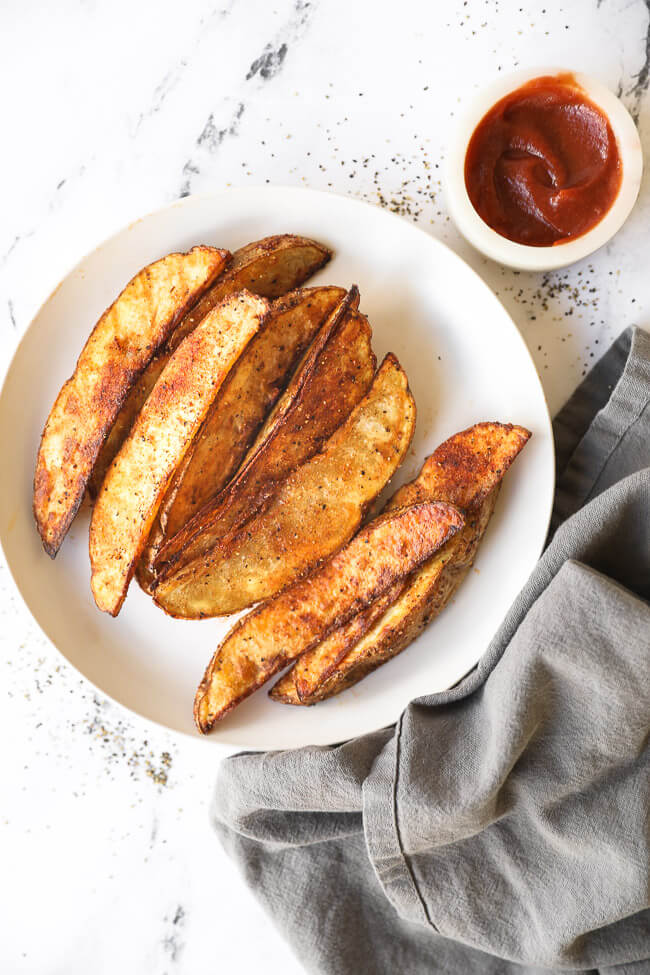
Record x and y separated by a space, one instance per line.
467 467
466 470
250 391
163 432
269 267
295 391
315 511
331 381
421 600
122 343
239 500
315 666
275 633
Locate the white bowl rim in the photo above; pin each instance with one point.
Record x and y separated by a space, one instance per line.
522 256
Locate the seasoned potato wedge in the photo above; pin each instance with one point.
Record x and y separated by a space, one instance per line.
465 470
467 467
269 267
395 622
164 430
249 392
275 633
334 377
315 511
315 666
122 343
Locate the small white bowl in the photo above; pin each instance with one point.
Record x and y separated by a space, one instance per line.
522 256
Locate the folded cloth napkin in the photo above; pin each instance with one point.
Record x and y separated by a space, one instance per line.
501 826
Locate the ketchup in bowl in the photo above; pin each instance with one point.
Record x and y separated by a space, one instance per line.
543 166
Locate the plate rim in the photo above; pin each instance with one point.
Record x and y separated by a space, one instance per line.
263 190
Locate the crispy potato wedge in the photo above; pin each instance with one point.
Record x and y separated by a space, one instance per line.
360 646
233 504
315 511
466 471
303 374
269 267
275 633
251 389
170 419
334 377
120 346
315 666
467 467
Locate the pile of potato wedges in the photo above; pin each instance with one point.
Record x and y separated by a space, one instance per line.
233 431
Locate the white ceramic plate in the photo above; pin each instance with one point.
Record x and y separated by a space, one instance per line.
466 362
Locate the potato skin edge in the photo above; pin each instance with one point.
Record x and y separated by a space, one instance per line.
117 384
122 517
467 469
319 603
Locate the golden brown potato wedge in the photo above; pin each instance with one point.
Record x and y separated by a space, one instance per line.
275 633
315 511
269 267
315 666
205 530
252 388
335 375
170 419
399 618
466 471
467 467
122 343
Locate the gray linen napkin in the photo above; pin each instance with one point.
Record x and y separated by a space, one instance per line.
501 826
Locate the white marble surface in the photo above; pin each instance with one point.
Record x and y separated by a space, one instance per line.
111 109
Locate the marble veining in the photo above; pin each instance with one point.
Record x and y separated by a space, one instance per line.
265 67
637 87
109 863
167 85
210 139
269 63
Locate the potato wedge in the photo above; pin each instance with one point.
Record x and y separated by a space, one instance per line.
122 343
467 467
170 419
334 377
252 388
316 510
406 612
315 666
275 633
269 267
465 470
205 530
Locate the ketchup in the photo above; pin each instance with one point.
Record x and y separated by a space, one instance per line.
542 166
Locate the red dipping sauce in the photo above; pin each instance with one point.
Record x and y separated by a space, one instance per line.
543 166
